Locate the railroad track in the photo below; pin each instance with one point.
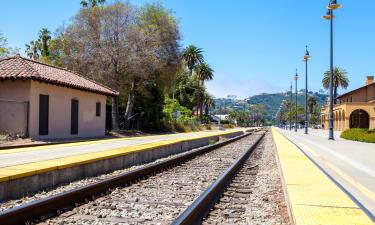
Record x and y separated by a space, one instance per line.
159 192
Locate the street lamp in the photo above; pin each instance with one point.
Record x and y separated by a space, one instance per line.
290 107
331 7
306 58
296 79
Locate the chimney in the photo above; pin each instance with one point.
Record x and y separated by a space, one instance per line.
369 80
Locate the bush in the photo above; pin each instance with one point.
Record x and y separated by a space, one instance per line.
224 121
208 127
173 111
358 134
228 126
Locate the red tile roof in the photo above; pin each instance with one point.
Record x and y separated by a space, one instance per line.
18 67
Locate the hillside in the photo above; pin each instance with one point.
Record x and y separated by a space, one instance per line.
272 102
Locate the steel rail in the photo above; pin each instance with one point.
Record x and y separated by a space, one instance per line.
204 203
47 207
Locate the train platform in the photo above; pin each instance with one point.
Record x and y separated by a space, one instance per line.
326 182
24 170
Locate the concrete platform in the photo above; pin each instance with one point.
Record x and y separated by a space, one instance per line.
26 170
313 196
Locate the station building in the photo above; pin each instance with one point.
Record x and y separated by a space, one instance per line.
42 101
354 109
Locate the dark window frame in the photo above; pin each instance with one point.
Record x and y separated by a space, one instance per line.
43 115
74 116
98 109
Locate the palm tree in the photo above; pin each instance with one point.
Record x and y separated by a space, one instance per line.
44 37
204 72
311 103
209 102
340 80
91 3
192 55
32 50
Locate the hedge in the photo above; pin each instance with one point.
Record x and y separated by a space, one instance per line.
358 134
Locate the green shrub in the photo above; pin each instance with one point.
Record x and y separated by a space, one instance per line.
208 127
229 126
173 111
358 134
224 121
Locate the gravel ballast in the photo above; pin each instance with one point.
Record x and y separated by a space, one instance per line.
160 198
256 195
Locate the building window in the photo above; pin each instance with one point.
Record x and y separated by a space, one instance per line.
74 117
98 106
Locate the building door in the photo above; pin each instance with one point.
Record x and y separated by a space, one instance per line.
43 114
74 117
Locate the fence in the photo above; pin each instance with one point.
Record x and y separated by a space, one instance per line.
14 117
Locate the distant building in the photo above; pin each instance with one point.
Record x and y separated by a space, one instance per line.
354 109
42 101
232 97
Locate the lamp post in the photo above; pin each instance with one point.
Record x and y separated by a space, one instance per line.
290 108
306 58
329 16
296 79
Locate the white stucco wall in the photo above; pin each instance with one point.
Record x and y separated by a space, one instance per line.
89 125
14 96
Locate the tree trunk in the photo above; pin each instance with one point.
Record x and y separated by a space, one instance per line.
201 102
129 105
198 100
115 115
207 110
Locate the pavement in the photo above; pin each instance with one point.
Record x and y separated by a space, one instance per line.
350 164
20 156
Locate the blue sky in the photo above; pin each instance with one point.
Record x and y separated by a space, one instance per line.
254 46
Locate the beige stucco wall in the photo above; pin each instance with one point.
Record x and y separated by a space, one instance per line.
14 96
89 125
366 94
342 114
18 90
371 93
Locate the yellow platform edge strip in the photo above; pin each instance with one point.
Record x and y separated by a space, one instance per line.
29 169
313 198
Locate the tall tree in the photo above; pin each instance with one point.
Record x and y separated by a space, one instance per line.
311 103
340 80
91 3
3 46
44 38
209 102
5 50
33 49
156 45
133 47
192 56
204 72
258 113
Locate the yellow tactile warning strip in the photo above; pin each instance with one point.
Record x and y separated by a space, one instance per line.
24 170
313 198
